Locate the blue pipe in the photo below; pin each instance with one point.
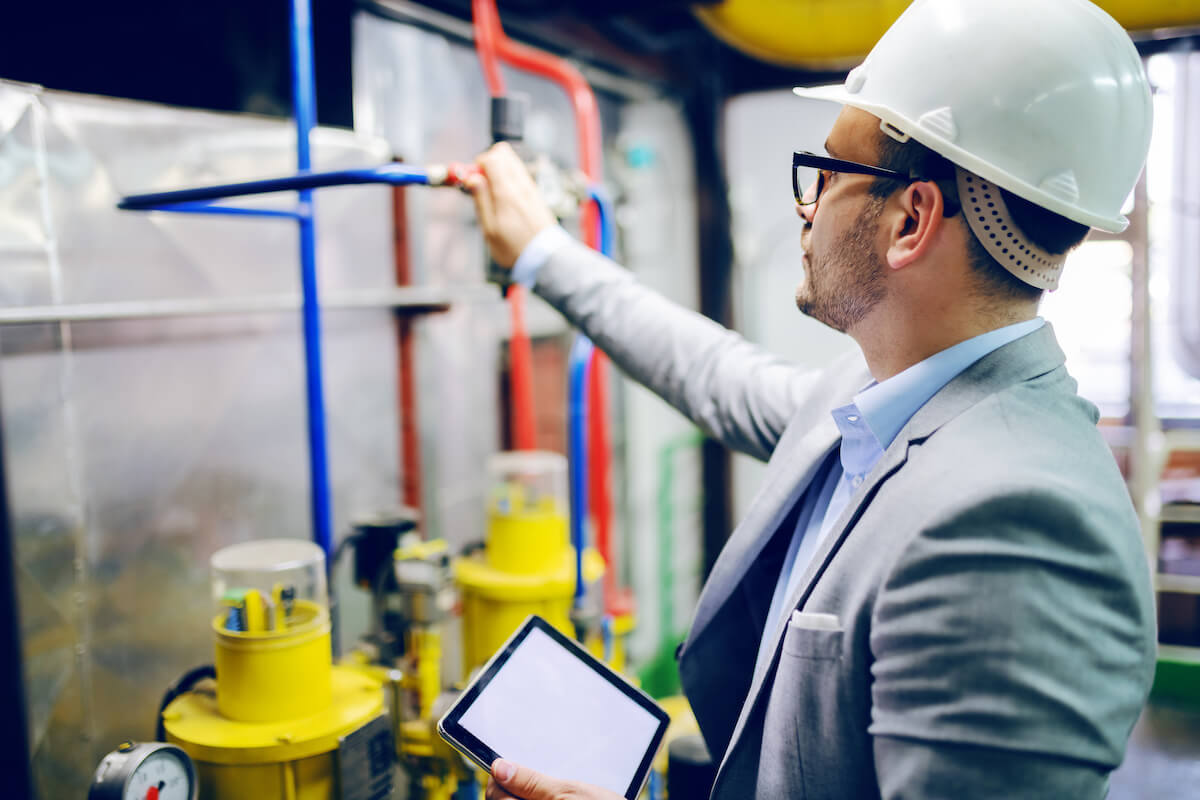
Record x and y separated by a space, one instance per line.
578 364
235 211
394 174
305 101
606 222
577 386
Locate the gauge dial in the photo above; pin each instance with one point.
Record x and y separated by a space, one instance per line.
160 776
146 771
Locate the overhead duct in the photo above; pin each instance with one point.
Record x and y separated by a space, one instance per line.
839 33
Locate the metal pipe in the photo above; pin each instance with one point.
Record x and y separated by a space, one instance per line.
233 211
406 369
393 174
305 102
577 447
413 300
596 410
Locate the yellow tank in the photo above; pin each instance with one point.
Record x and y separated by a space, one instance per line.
287 759
283 723
528 564
270 676
839 33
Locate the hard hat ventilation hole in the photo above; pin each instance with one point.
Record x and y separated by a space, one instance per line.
894 132
990 221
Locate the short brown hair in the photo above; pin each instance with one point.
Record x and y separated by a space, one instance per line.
1050 231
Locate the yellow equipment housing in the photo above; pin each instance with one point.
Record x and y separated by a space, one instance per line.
528 568
280 714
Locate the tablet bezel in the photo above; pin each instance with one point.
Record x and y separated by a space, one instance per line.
478 751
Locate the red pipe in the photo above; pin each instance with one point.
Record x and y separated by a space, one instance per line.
492 43
487 25
524 432
410 444
520 349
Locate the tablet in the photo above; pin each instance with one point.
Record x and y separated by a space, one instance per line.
543 702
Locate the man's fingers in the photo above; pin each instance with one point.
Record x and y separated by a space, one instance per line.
494 792
525 783
485 206
509 173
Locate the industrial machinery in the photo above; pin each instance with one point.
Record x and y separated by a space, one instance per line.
275 717
282 721
525 565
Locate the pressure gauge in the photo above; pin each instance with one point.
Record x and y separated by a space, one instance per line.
144 771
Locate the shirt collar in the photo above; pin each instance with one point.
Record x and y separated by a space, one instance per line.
887 406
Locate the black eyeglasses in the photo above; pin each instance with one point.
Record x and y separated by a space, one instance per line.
824 164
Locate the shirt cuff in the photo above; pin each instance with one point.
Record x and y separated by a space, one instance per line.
537 253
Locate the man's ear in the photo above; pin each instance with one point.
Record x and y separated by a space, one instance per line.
914 224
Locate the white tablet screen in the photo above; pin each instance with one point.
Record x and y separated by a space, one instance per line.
547 710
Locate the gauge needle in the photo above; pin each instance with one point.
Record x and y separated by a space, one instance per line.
152 792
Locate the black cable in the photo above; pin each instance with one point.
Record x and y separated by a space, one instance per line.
181 686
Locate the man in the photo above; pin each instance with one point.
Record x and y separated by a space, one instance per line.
940 591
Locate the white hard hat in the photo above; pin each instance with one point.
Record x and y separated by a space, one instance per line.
1044 98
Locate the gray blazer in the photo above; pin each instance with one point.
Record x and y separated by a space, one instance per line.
978 623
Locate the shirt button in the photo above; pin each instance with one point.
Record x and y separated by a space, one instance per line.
852 418
856 481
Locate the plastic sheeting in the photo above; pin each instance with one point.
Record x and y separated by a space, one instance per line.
137 448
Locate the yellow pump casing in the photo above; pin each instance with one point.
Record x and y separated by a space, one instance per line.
528 568
279 715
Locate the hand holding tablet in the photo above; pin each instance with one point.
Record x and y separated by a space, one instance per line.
544 703
513 782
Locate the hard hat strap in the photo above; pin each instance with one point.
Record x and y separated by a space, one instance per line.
993 226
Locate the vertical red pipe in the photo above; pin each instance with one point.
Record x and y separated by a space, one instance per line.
520 355
410 441
493 44
488 35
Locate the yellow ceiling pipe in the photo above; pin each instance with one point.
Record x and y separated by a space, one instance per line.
839 33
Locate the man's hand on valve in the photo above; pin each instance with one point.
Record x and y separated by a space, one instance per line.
509 205
512 782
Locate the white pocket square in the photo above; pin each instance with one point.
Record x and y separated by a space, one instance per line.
814 621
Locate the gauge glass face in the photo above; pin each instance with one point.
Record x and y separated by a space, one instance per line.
161 776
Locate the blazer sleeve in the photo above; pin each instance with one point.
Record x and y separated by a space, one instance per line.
1014 638
733 390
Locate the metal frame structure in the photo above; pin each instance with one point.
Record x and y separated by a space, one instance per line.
206 200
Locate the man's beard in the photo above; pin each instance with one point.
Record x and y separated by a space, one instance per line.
841 289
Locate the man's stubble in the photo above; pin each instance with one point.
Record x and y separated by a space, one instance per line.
841 288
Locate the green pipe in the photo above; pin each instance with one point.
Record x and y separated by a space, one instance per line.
660 677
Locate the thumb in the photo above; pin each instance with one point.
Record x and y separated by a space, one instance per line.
524 782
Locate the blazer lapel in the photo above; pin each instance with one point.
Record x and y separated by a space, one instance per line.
776 499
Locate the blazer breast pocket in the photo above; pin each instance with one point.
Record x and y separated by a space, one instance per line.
813 636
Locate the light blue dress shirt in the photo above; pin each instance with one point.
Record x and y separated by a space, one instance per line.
536 253
868 425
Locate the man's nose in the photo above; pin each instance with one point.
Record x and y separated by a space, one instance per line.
809 209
